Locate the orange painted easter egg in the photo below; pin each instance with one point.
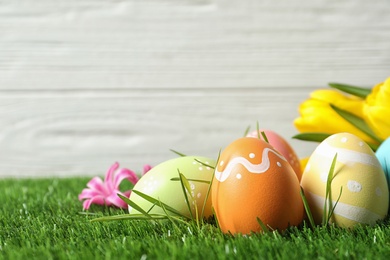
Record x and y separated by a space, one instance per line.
254 181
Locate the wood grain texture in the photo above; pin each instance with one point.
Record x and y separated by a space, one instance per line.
85 83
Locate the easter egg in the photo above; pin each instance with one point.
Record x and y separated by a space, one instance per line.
358 181
280 144
158 184
254 181
383 155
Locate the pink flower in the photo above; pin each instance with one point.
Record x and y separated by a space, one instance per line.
105 193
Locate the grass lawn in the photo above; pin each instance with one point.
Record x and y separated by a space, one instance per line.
40 219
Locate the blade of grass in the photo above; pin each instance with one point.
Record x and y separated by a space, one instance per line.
186 187
166 213
264 136
204 164
155 201
194 180
178 153
307 208
263 226
150 209
328 192
356 121
247 131
333 208
133 205
215 217
353 90
130 217
209 188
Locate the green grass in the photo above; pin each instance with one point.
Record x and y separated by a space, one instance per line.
39 219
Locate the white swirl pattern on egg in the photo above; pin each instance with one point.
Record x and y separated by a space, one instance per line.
252 168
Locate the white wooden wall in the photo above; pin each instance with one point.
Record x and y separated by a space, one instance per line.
84 83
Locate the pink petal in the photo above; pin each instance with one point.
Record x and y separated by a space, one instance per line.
127 193
97 184
88 193
109 176
125 174
86 204
147 168
94 200
115 200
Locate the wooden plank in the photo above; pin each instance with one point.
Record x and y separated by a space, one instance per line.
84 83
192 44
44 133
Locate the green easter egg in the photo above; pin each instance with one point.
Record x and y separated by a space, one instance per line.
162 183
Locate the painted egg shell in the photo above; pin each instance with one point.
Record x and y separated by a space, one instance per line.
280 144
157 183
383 155
364 197
252 180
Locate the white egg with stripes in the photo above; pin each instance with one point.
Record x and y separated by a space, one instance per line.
358 185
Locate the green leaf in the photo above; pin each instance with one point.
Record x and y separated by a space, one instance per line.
314 137
258 130
157 202
356 121
353 90
319 137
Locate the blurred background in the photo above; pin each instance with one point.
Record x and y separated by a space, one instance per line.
85 83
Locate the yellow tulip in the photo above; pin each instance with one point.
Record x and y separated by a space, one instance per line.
318 116
303 162
377 109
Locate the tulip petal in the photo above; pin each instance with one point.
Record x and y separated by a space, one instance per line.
377 109
351 104
379 119
318 116
357 122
